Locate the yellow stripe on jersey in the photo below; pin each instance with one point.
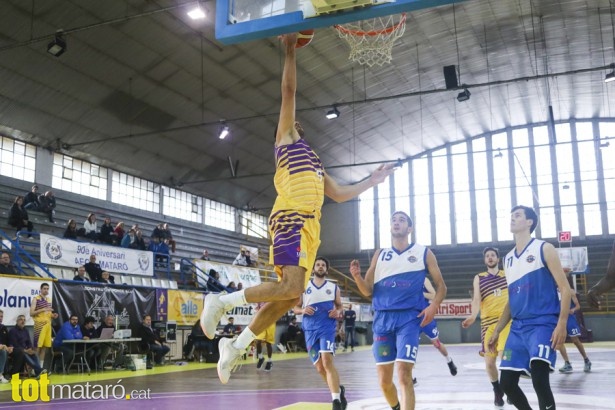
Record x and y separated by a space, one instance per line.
493 296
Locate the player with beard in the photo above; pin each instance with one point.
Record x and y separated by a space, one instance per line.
490 295
321 306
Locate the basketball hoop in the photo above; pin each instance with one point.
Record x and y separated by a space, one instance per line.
371 41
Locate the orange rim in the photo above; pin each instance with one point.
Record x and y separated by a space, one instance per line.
372 33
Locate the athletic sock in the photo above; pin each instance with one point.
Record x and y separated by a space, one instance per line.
396 407
449 359
234 299
335 396
260 356
245 338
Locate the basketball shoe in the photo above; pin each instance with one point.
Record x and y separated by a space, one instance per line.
213 310
229 359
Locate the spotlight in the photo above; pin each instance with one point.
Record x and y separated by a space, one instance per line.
610 77
464 95
224 131
333 113
197 12
58 46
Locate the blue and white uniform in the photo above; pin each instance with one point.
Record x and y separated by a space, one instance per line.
319 328
397 300
534 307
572 325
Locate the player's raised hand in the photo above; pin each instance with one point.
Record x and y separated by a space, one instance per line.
382 172
289 40
355 268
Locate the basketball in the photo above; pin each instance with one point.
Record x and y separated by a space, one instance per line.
304 37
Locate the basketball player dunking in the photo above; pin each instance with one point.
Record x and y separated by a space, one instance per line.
301 183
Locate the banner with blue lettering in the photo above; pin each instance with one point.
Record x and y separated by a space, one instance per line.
16 296
184 307
69 253
126 303
229 273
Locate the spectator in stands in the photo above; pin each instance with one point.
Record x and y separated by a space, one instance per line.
231 287
23 350
30 201
69 331
213 283
152 340
107 278
168 237
91 227
18 216
295 334
71 229
6 267
200 342
157 232
93 269
107 235
205 256
5 349
139 242
240 286
47 203
128 241
119 232
161 252
80 276
230 328
242 258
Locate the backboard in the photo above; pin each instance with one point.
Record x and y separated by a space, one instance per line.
245 20
574 259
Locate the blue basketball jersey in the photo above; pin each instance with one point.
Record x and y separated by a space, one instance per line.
399 279
532 291
322 299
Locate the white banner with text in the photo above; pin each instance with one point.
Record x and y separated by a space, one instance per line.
16 296
66 252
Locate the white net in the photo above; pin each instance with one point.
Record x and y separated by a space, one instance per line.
371 41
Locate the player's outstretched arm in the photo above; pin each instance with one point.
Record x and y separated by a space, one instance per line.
365 285
555 267
475 304
286 133
605 284
341 193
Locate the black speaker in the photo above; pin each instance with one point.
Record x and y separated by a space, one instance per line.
450 77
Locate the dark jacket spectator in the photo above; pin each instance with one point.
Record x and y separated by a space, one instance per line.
152 340
87 328
80 274
23 350
71 230
158 232
6 267
106 232
231 287
48 204
167 237
107 278
18 216
139 242
30 201
213 284
93 269
205 256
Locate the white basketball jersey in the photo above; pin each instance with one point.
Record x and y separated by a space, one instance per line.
322 300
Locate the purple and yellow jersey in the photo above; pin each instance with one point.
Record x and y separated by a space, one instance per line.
493 296
399 278
532 291
299 179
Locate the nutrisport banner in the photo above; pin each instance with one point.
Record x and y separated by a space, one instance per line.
128 304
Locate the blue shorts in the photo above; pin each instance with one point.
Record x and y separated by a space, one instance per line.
396 336
572 326
431 330
528 342
319 341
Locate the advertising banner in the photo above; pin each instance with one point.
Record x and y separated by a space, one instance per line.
184 307
454 308
127 304
66 252
16 296
229 273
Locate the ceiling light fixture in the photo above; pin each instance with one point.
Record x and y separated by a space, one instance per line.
333 113
224 131
58 46
464 95
197 12
610 76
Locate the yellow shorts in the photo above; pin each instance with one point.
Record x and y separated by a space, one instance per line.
501 339
43 337
268 335
296 239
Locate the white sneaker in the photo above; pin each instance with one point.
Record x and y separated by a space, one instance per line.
3 380
213 311
229 359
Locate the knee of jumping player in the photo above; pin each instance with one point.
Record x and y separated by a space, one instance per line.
293 282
